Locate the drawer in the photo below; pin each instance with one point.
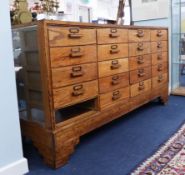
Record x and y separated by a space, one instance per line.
159 69
116 96
139 35
159 80
139 61
160 46
159 57
70 36
108 52
66 56
140 75
113 82
73 74
139 48
111 67
140 87
112 35
74 94
159 35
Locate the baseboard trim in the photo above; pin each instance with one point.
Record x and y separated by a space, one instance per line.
19 167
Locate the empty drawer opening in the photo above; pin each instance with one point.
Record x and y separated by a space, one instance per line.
76 110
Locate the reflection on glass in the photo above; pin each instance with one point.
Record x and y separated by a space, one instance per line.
178 47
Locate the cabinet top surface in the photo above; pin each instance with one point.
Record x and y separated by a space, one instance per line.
88 25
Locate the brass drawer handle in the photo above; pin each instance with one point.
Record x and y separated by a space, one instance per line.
77 71
160 67
114 49
115 80
159 45
159 57
74 33
76 52
141 73
74 30
78 90
140 33
140 47
160 78
113 33
116 95
141 86
115 64
159 33
140 60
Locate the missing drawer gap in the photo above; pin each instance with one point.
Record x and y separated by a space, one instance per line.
75 110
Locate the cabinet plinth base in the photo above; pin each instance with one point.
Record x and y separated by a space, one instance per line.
57 146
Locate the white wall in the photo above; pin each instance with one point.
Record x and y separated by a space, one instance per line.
11 156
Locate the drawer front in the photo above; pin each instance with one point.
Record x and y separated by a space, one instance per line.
139 35
159 80
159 35
73 94
116 96
70 36
159 69
108 52
73 74
66 56
140 75
113 82
107 68
140 87
112 35
139 62
159 46
139 48
159 57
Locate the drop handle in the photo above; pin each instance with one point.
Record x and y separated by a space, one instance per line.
159 45
77 71
159 57
140 60
115 80
159 33
160 78
78 90
141 73
140 33
140 47
114 49
141 86
160 67
116 95
115 64
74 33
113 33
76 52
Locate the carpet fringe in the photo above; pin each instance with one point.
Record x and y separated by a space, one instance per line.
159 152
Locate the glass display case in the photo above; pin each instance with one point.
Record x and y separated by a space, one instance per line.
28 80
178 47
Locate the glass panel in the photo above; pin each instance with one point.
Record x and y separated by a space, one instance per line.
28 78
178 47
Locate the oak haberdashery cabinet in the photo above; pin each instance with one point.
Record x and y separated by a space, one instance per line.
76 77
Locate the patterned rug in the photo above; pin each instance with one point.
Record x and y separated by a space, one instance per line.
168 160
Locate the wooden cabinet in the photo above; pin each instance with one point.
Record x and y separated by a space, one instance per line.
77 77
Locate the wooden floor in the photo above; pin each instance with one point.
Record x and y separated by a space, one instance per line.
179 91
